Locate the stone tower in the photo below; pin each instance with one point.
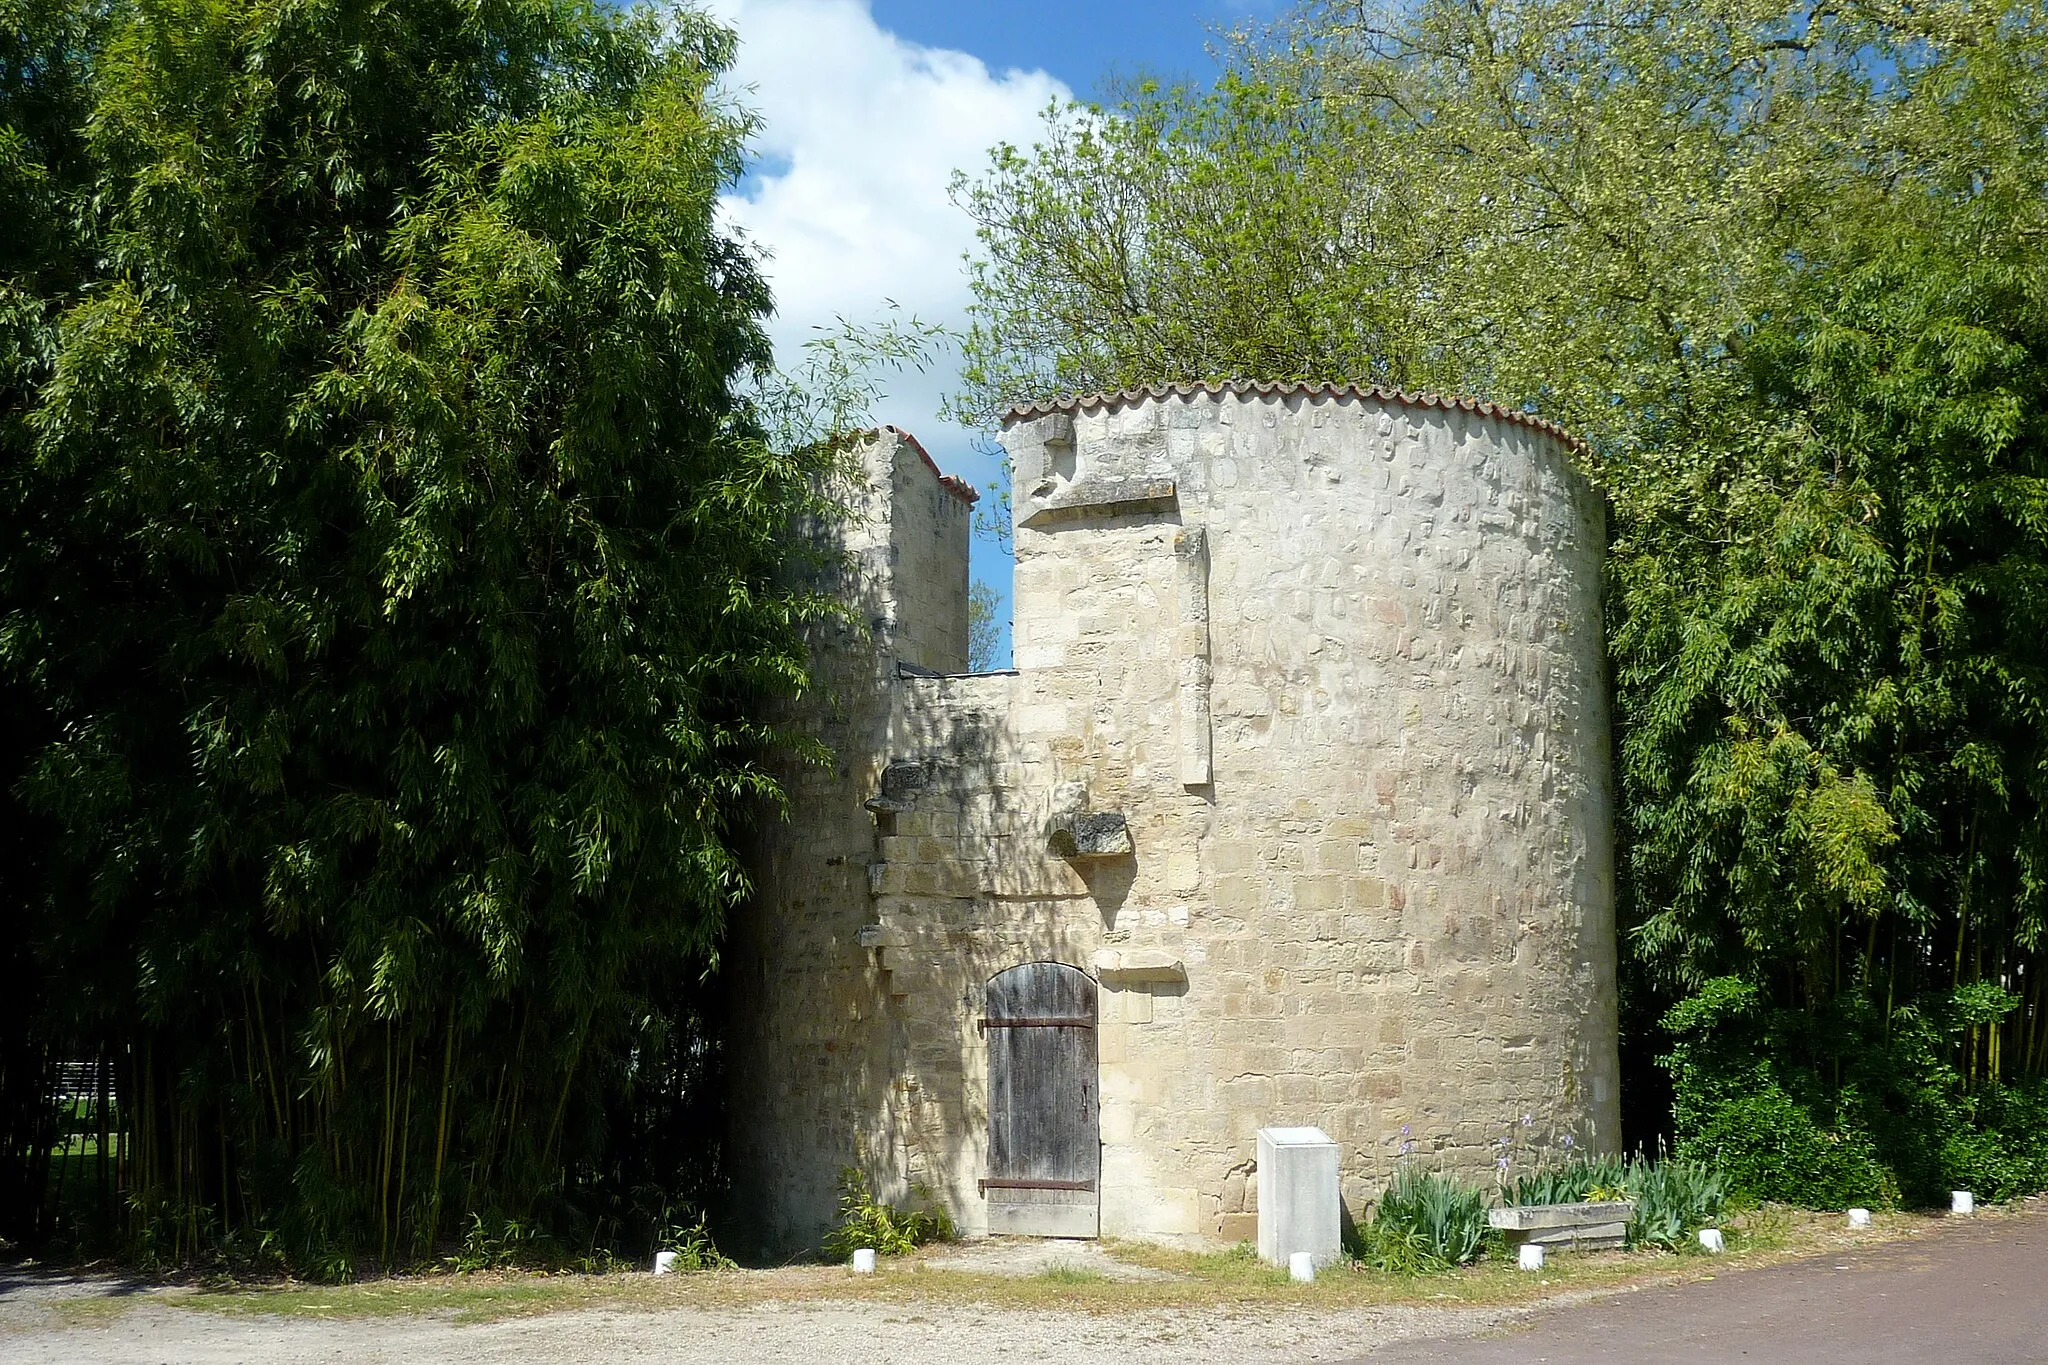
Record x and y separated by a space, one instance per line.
1296 810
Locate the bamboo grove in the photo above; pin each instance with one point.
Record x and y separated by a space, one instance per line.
396 591
1785 266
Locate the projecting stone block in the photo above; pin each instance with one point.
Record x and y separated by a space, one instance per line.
1103 497
1300 1208
1099 834
901 783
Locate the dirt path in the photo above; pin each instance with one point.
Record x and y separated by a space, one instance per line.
1972 1293
44 1322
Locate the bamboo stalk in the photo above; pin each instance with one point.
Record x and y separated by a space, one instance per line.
405 1133
2031 1058
433 1228
384 1180
270 1073
103 1083
547 1151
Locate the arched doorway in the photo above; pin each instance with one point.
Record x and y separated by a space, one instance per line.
1043 1177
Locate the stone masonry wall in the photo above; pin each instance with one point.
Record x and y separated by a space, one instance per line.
1336 657
809 1075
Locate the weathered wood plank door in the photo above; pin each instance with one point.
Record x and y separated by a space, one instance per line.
1044 1138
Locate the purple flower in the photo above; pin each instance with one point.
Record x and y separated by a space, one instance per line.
1404 1130
1503 1141
1567 1142
1528 1119
1407 1147
1502 1163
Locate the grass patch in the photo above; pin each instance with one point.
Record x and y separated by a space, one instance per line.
1228 1279
472 1298
1239 1265
96 1311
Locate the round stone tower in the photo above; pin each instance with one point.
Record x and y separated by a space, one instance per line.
1299 793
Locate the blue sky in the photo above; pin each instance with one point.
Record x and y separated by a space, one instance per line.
1077 42
869 106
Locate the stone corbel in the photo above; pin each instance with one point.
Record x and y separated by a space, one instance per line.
901 782
1075 832
1090 834
1104 497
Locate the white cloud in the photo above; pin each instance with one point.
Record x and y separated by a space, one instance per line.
862 131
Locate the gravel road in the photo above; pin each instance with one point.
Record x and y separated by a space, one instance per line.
44 1322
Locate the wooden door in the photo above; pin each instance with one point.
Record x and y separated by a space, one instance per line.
1044 1141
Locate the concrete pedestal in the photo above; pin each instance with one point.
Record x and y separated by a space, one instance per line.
1299 1206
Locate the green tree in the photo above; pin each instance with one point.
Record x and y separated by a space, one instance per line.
984 627
403 580
43 49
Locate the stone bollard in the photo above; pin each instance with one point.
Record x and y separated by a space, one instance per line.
1962 1201
664 1262
864 1261
1301 1267
1859 1218
1529 1256
1300 1208
1712 1242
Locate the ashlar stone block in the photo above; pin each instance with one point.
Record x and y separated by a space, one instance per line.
1300 1206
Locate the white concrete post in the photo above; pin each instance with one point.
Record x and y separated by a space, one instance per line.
1299 1205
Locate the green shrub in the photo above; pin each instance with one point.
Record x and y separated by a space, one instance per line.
1576 1182
691 1241
865 1221
2004 1155
1733 1111
1424 1221
1674 1198
1771 1147
494 1244
1393 1250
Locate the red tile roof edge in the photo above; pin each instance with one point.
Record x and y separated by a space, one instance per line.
1023 412
952 483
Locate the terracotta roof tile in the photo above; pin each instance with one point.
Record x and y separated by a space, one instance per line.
1024 412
